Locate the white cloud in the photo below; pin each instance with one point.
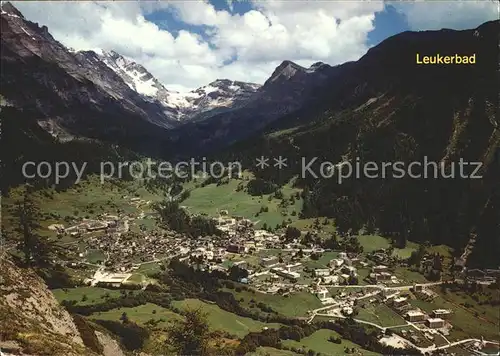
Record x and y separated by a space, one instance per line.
301 31
457 15
294 30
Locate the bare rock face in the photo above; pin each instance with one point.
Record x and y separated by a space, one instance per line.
77 92
31 316
33 323
104 95
110 346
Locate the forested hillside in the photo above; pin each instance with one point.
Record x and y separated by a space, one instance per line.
386 108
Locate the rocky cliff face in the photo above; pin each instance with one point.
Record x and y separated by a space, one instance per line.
109 97
219 96
75 92
32 318
32 322
75 78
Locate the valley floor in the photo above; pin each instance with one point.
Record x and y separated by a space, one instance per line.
113 231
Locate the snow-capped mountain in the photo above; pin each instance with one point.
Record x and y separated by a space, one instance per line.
107 96
286 91
135 75
219 95
140 80
74 92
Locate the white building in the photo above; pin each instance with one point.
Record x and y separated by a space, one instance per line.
336 262
269 261
285 274
347 310
114 280
322 294
441 313
321 272
435 323
415 315
294 267
241 264
331 279
379 268
398 302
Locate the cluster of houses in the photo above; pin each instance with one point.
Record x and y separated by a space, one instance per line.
106 223
435 321
124 253
239 245
109 234
108 279
241 237
488 275
401 304
380 273
287 273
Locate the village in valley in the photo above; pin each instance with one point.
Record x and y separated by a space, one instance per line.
375 288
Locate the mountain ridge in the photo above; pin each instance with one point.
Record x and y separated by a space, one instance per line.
115 85
387 108
219 94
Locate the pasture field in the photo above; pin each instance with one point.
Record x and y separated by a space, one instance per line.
379 314
141 314
213 198
318 342
294 305
222 320
85 295
466 322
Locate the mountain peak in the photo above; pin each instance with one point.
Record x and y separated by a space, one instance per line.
221 82
285 70
231 84
221 93
113 55
10 10
317 65
289 64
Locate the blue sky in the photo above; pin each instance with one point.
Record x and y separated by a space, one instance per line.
188 44
387 23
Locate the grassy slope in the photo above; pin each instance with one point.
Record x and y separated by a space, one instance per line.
372 243
380 314
295 305
94 294
212 198
318 342
222 320
323 261
140 314
89 198
270 351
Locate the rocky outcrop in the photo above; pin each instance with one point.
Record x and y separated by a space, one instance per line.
75 92
110 346
33 323
31 316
